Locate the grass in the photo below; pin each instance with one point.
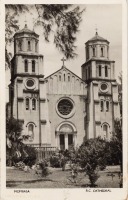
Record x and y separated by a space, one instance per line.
59 179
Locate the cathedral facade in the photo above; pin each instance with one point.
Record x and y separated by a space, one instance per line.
63 109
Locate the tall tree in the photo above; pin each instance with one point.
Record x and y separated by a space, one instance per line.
14 137
62 20
116 143
93 154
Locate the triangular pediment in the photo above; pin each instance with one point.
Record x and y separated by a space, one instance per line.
65 71
65 82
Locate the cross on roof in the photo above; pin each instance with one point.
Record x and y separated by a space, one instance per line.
25 21
96 29
63 59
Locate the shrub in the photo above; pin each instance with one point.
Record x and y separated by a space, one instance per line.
28 155
63 161
44 168
55 161
93 157
92 174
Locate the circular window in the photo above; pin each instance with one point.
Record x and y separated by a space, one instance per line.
104 87
30 84
65 108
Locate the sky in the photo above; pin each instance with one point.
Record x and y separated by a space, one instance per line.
106 18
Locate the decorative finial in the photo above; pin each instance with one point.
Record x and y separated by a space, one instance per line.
25 21
96 30
63 61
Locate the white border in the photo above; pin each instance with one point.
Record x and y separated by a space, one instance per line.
58 194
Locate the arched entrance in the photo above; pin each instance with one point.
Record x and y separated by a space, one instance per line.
66 135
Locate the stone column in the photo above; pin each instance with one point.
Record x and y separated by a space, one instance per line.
57 141
74 139
66 141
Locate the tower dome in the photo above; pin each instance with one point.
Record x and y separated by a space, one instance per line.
97 48
97 38
26 41
25 30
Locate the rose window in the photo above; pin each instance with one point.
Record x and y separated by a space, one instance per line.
65 107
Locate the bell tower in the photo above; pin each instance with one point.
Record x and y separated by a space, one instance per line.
27 88
98 72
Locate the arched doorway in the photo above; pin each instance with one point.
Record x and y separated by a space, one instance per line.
66 135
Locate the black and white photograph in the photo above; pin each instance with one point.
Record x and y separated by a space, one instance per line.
64 112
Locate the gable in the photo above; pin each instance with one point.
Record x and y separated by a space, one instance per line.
64 81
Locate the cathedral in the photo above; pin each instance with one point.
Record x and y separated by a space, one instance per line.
63 109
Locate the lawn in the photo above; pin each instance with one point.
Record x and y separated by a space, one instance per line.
59 179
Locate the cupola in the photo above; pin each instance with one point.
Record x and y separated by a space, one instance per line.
26 41
97 48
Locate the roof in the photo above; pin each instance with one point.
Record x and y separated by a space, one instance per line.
26 30
97 38
61 70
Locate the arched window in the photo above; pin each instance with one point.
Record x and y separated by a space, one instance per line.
29 46
107 106
102 105
93 51
33 65
59 77
31 131
68 78
99 70
102 52
26 66
64 77
106 71
36 46
20 45
33 104
105 131
27 103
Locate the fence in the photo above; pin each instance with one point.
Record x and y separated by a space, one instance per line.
44 152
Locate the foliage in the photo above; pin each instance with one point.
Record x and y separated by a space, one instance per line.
71 155
55 161
93 151
28 155
11 26
59 159
20 165
63 161
44 168
14 140
116 143
62 20
74 173
92 157
92 174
